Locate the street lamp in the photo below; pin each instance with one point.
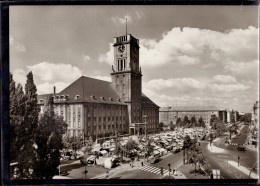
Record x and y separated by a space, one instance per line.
169 169
238 158
145 122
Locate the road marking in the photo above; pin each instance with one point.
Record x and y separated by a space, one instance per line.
154 170
209 165
229 171
221 166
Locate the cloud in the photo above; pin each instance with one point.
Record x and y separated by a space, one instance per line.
16 45
225 79
139 14
219 83
47 88
46 75
228 88
122 20
19 76
242 68
192 46
107 57
105 78
51 72
86 57
181 84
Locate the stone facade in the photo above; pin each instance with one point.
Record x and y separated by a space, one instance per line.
94 107
171 114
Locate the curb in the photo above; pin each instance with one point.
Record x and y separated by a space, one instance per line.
245 171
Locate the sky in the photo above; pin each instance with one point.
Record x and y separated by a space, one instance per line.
189 55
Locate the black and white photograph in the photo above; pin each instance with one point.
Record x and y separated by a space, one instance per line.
133 92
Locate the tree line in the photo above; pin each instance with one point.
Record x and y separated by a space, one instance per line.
35 140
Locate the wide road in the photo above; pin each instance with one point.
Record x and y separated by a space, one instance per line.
247 158
152 171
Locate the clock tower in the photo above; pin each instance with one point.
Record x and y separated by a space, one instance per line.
126 75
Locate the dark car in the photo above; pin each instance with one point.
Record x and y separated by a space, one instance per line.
64 173
241 148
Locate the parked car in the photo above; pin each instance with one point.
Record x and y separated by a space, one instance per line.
64 173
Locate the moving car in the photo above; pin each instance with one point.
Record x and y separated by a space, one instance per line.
241 148
153 158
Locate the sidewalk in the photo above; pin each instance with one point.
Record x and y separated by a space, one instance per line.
243 169
215 149
252 147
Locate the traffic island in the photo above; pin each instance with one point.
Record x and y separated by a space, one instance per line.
189 171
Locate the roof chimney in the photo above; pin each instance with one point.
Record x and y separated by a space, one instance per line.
54 90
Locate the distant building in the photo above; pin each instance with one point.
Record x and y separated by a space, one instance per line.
255 114
94 107
170 114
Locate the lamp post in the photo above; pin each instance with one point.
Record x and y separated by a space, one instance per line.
145 122
169 169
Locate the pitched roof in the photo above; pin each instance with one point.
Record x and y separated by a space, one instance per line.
190 108
146 102
86 89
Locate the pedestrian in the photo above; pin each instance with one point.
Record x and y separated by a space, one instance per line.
107 174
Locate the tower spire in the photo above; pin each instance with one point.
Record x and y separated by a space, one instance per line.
126 26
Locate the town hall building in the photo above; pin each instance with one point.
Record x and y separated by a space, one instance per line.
99 108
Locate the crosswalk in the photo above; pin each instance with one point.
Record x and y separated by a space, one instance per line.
236 144
154 170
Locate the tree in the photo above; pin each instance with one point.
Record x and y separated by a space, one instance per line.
178 122
171 125
24 113
48 142
201 122
246 118
161 126
186 145
130 146
186 121
194 155
193 121
149 148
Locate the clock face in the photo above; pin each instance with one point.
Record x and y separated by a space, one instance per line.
121 48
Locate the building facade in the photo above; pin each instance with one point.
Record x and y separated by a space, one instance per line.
255 114
94 107
171 114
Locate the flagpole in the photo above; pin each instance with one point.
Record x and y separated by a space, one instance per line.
126 25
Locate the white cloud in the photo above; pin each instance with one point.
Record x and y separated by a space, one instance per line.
47 75
105 78
225 79
122 20
241 68
192 46
181 84
108 57
18 46
228 88
86 57
19 76
47 88
139 14
51 72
